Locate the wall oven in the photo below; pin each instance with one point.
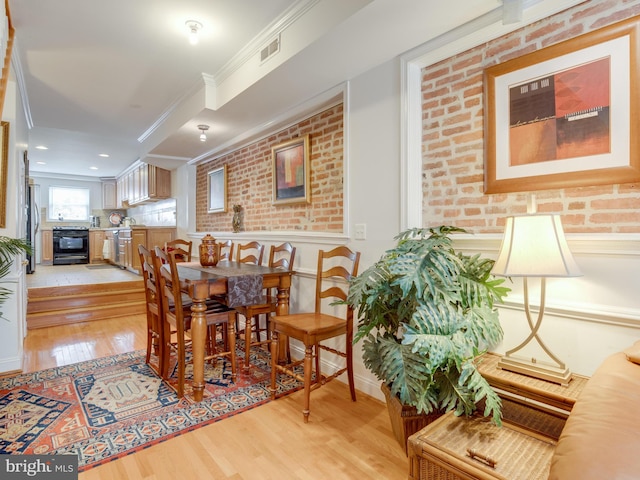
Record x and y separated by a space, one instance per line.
70 245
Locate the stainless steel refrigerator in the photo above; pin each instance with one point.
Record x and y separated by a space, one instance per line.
33 216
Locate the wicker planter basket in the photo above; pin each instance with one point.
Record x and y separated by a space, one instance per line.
405 420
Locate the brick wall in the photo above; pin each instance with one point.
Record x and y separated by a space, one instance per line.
453 142
249 171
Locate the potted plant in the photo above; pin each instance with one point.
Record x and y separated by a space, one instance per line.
9 248
425 314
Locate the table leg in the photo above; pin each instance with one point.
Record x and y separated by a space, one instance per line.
198 339
282 308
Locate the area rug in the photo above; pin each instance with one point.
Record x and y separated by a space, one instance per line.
110 407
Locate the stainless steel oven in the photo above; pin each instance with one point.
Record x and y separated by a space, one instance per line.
70 245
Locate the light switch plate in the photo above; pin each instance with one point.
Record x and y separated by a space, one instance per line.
361 231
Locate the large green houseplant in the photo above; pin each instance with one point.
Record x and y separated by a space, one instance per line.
425 314
9 248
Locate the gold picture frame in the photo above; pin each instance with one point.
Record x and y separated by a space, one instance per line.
4 167
291 172
563 116
217 190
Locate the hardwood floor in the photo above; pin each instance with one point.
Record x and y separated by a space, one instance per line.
343 439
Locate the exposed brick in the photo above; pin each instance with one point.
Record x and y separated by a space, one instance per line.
250 173
457 177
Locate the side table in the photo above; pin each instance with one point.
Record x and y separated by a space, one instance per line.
531 403
465 448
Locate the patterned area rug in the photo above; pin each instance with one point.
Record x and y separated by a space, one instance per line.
110 407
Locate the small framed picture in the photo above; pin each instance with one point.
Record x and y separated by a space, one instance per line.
291 172
217 190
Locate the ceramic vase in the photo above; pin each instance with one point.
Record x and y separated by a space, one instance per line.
209 251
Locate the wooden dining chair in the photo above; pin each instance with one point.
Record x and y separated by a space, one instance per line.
226 250
251 252
180 248
281 256
178 320
335 269
155 340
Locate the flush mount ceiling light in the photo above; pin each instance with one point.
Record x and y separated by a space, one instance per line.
193 27
203 136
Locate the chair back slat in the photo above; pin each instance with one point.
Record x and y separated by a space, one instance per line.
226 250
180 248
282 256
251 252
335 268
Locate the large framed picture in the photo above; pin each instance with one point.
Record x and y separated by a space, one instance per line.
566 115
291 171
217 190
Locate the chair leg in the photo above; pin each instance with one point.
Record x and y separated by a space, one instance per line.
181 367
231 335
247 341
308 363
352 387
274 363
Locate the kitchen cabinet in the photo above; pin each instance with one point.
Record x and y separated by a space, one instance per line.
130 238
143 184
96 245
109 197
46 257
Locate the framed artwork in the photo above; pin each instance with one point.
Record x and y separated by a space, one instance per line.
566 115
4 166
291 171
217 190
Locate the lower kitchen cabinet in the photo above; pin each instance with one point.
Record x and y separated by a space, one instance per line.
130 238
46 257
96 246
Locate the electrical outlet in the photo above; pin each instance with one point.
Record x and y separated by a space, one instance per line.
361 231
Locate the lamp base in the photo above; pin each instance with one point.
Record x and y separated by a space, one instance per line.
550 373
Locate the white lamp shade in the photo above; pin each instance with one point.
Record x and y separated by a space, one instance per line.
535 246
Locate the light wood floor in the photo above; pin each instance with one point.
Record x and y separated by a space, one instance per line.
343 439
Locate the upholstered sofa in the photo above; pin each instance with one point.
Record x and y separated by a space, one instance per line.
601 439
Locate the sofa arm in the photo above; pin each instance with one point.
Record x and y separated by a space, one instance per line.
601 438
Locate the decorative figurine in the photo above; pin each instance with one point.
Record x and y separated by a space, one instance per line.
237 218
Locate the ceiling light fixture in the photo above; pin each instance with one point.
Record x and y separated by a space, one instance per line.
42 147
103 155
193 27
203 136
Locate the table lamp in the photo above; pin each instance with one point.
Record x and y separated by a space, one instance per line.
535 246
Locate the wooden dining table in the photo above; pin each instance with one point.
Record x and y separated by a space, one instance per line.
202 283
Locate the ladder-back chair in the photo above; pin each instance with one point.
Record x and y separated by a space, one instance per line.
155 340
226 250
178 320
335 269
281 256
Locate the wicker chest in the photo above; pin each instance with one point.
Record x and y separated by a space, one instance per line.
453 448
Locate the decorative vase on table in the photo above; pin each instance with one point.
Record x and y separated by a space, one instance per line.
209 251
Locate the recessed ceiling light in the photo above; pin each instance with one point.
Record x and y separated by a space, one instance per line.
104 155
42 147
93 168
41 163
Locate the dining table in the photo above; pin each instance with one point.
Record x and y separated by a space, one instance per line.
202 283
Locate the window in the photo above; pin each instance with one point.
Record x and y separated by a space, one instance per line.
69 204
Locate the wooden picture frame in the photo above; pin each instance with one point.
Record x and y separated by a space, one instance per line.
565 116
217 190
4 167
291 172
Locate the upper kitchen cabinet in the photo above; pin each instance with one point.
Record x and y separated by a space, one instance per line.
143 183
109 197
